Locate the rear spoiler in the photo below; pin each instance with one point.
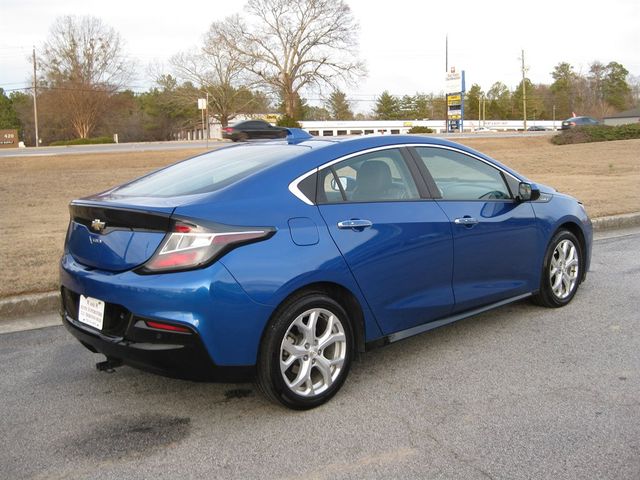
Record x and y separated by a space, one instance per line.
297 135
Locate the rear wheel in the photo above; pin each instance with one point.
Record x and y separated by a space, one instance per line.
306 352
561 272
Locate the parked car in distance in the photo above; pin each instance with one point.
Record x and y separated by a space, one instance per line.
484 130
281 260
253 129
536 128
577 122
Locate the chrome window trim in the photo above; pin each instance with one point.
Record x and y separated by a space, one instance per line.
293 186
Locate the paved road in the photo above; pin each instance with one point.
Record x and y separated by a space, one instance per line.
523 392
178 145
108 148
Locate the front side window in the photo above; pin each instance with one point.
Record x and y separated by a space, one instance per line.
461 177
373 177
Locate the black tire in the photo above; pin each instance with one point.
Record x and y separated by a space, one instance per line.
242 137
271 380
547 296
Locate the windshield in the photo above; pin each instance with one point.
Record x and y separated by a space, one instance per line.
209 172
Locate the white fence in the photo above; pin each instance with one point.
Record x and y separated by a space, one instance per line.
391 127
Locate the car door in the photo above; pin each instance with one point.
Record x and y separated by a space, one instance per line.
253 129
494 235
396 243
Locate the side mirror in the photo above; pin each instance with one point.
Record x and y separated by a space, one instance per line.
528 192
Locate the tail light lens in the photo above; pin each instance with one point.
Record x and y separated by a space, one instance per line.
227 129
189 246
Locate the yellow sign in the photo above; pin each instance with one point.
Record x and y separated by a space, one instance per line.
454 99
407 124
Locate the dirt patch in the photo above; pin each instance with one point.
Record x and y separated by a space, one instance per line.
35 192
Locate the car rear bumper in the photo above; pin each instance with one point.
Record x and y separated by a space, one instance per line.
176 355
226 324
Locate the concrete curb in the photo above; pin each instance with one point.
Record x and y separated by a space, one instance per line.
613 222
28 305
12 308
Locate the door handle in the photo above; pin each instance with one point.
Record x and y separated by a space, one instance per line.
355 224
466 221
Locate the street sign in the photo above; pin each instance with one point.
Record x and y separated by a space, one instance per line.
9 138
454 99
453 81
202 104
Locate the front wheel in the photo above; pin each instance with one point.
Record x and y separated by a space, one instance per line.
306 352
561 271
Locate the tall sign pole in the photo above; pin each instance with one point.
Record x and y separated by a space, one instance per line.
446 53
35 98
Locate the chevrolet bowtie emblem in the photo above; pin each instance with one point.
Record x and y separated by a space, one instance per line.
98 225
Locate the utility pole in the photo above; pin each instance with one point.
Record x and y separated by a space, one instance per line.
524 93
484 111
35 98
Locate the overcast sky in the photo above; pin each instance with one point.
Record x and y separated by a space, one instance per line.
402 42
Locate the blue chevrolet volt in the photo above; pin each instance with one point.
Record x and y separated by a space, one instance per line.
281 260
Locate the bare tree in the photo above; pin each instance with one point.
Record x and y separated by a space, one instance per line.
82 62
220 72
289 45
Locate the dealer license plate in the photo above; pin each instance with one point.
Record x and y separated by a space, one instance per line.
91 312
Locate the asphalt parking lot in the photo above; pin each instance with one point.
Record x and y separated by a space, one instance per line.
522 392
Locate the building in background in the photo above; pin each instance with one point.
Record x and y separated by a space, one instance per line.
623 118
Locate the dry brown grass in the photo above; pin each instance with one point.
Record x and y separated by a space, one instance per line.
605 175
35 192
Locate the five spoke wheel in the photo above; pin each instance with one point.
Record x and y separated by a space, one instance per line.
312 352
562 270
306 352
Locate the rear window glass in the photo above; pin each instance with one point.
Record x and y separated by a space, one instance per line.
209 172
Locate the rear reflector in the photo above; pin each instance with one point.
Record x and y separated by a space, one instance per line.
166 326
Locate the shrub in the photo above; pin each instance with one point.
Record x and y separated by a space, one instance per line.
420 130
597 133
82 141
288 122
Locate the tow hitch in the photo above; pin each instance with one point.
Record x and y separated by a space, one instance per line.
109 365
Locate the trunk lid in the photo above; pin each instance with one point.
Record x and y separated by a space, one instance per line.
116 237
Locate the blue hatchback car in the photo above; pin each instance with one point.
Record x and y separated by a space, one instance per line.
283 259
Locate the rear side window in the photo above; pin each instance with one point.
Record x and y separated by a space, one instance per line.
461 177
209 172
373 177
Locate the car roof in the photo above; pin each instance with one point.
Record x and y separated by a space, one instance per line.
317 151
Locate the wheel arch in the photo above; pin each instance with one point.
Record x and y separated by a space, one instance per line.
340 294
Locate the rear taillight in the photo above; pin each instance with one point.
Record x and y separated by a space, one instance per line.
227 129
190 246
